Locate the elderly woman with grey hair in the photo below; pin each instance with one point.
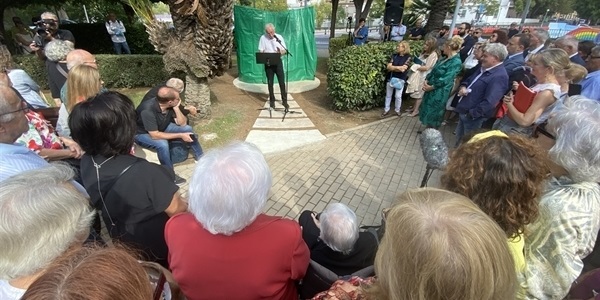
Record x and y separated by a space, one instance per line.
56 65
334 239
225 248
568 223
41 215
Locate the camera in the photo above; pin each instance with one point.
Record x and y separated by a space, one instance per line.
41 30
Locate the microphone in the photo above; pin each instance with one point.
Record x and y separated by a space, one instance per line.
435 150
276 38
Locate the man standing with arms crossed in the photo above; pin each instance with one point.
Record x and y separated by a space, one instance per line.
270 42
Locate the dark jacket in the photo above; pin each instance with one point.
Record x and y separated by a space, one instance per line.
485 93
466 47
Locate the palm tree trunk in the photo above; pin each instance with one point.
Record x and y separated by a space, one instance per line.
197 93
437 15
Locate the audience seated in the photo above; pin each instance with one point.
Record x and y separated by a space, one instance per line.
92 272
41 216
13 123
334 239
160 122
136 197
568 224
225 247
504 176
437 245
55 54
20 80
83 82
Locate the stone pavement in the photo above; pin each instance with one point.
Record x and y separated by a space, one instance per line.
365 168
272 133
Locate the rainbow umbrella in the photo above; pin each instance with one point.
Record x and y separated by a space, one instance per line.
586 34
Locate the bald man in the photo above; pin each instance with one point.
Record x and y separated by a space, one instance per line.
160 121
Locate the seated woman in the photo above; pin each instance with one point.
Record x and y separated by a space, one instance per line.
136 197
112 272
437 245
545 66
335 241
504 176
83 82
20 81
41 216
568 224
225 247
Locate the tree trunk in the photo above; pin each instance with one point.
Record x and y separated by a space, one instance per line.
334 9
197 93
360 12
437 15
129 12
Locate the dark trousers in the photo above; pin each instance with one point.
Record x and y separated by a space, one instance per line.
276 70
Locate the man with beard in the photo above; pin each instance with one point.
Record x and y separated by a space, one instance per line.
469 41
442 36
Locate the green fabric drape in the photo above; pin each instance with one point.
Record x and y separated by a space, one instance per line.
296 26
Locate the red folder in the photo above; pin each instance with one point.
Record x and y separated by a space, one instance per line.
523 98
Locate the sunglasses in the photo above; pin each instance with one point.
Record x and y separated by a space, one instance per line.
24 108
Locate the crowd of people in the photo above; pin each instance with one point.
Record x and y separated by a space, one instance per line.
517 216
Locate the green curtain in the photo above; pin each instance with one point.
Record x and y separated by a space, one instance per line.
296 26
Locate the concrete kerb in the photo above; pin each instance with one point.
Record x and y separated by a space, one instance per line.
294 87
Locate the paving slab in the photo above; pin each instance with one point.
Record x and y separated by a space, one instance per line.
269 141
297 113
293 86
276 123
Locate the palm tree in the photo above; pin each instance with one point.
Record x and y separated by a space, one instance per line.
436 9
198 45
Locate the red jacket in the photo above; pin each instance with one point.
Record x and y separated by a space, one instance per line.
262 261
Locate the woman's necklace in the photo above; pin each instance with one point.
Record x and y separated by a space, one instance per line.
98 166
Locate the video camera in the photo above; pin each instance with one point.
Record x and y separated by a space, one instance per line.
41 30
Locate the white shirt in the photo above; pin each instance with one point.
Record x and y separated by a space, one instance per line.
398 32
268 45
9 292
534 51
116 30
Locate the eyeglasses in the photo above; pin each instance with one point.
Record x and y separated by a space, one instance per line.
24 107
541 129
477 32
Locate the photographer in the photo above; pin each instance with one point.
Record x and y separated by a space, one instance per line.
47 31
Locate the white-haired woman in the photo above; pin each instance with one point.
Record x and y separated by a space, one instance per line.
41 216
56 65
225 247
334 239
568 223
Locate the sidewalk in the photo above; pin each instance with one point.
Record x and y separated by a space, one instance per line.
364 168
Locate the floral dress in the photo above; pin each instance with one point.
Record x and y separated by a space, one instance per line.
40 134
441 78
346 290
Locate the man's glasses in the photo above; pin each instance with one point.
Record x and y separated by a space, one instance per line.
477 32
24 107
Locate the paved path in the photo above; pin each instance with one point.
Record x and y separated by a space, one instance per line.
272 133
364 168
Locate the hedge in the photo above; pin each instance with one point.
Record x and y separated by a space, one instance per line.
337 44
117 71
356 75
95 39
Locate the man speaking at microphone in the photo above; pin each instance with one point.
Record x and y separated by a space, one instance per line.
271 42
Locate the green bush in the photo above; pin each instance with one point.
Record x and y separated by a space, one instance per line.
94 38
337 44
117 71
356 75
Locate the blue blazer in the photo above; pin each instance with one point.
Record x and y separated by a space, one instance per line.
466 47
578 60
510 63
485 93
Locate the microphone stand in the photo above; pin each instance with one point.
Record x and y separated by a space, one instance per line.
287 77
428 171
